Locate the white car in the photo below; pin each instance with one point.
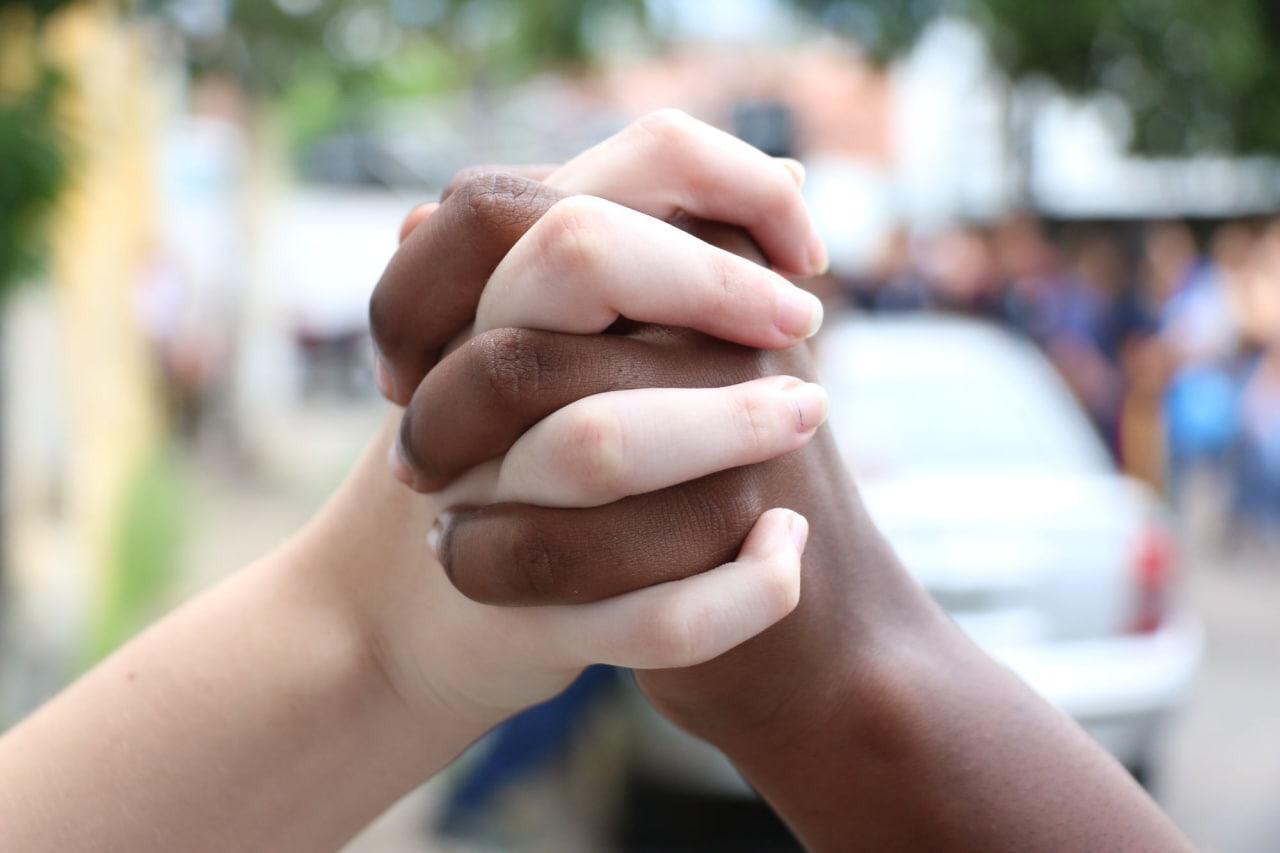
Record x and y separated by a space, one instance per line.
983 472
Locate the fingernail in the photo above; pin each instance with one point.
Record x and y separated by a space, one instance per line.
795 167
382 378
799 531
396 462
810 402
818 260
436 533
799 313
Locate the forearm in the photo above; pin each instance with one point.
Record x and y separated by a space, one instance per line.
950 751
255 717
912 738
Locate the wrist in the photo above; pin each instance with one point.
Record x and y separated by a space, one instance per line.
859 611
364 563
873 707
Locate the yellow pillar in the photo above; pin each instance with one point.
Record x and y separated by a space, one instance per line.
100 239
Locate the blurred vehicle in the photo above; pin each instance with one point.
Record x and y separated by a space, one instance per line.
984 473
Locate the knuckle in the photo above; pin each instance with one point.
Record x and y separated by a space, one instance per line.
461 177
570 235
489 197
726 280
666 127
511 364
756 417
533 566
676 633
478 193
591 452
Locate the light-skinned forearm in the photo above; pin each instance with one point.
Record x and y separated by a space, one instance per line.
255 717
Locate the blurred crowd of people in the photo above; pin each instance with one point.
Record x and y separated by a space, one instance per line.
1169 335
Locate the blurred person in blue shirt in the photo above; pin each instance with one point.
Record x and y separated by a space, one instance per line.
1256 473
1258 467
1199 327
1079 309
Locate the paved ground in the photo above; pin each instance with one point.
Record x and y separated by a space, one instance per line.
1220 779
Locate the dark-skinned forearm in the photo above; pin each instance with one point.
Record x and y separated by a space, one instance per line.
906 736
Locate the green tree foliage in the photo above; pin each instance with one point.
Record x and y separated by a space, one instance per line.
41 8
1197 75
883 28
268 44
553 32
332 63
33 153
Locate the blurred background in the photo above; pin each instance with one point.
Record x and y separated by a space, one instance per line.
1053 344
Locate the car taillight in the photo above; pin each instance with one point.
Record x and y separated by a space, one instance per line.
1153 569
